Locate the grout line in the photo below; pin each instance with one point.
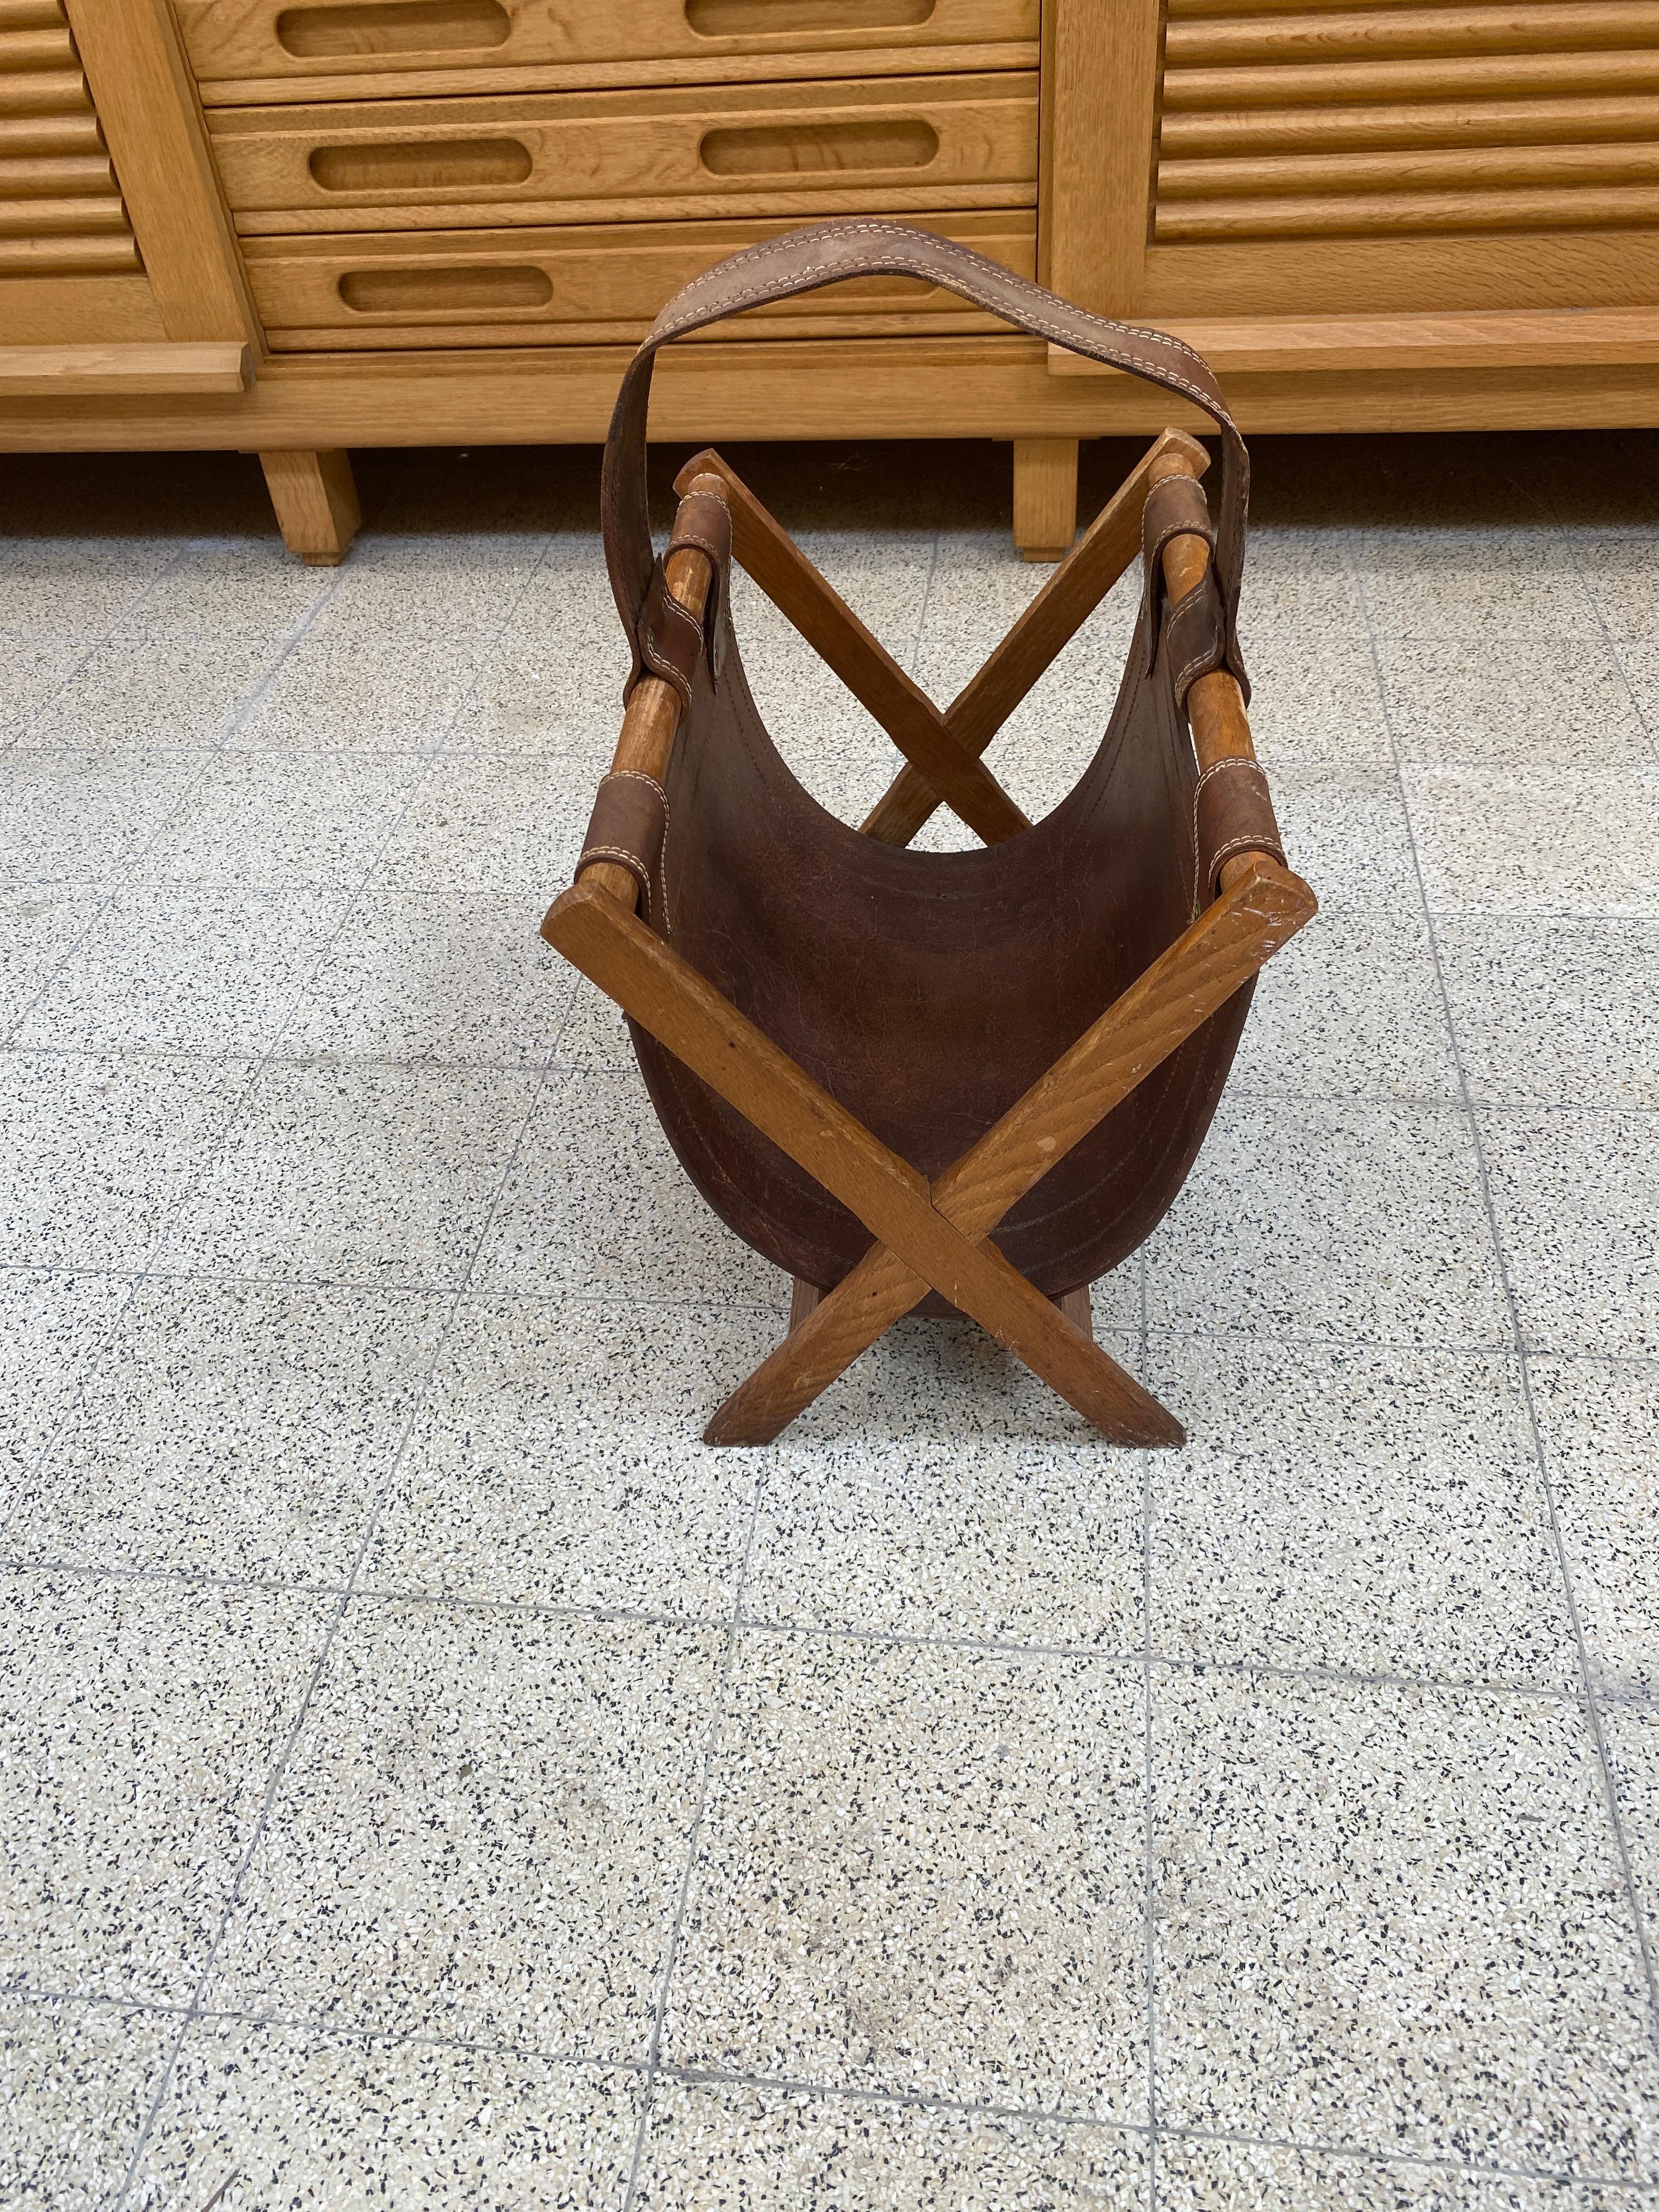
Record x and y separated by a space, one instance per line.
1114 1657
694 1841
439 1064
1615 650
1148 1824
801 2086
420 1389
73 1397
1588 1699
617 1300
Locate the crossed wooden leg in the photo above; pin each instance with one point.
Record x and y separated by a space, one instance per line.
1197 975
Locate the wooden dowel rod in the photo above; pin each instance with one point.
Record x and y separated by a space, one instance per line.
652 714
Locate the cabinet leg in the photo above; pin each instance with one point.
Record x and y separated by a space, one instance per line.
316 504
1045 497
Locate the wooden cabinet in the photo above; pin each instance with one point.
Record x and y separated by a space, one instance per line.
294 226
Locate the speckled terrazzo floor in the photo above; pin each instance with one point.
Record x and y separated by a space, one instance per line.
429 1777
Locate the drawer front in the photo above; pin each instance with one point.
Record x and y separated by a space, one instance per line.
800 150
578 285
276 42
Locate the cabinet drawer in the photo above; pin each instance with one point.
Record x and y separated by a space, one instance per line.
802 150
578 285
280 42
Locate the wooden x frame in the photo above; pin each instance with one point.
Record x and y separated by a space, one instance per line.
937 1237
942 750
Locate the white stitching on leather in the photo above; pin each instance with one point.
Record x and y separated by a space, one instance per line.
905 263
955 255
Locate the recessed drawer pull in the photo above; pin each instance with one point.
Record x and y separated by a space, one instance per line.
760 19
421 165
400 27
442 291
769 149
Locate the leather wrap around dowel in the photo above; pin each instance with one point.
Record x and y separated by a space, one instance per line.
1234 815
656 702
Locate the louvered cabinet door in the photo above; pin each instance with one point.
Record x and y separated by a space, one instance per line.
68 267
1261 158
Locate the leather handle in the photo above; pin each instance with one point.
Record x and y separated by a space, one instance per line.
825 254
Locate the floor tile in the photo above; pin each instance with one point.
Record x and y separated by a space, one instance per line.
50 1325
219 588
84 818
97 1152
1354 1221
1598 1424
500 825
929 1385
1346 832
352 695
559 1461
598 1204
76 2083
1314 700
1298 580
76 587
481 1832
1197 2175
998 1539
141 1723
783 2150
1350 1008
173 690
1379 1511
1555 840
593 1035
1621 570
31 671
1577 1200
1632 1735
920 1871
1548 701
38 926
1472 583
1554 1013
234 1430
463 584
186 969
294 2115
275 821
1639 658
556 694
460 979
357 1173
1390 1918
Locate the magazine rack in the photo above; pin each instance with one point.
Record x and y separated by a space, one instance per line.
971 1080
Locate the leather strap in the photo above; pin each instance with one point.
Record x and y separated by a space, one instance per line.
1232 813
1196 628
667 639
629 826
825 254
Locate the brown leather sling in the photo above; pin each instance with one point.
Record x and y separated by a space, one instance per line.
924 991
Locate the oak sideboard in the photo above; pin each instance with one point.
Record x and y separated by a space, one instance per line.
292 226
